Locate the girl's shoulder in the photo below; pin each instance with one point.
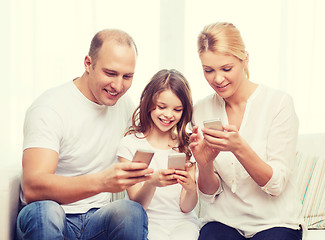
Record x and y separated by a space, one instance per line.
133 136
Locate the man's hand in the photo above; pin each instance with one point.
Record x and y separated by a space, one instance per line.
121 176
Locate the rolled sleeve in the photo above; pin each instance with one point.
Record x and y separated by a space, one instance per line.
210 198
281 147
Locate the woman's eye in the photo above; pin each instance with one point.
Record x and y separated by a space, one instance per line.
227 69
178 110
208 70
160 107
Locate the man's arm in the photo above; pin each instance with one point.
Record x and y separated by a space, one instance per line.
40 182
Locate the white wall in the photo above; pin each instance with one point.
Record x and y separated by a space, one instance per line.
43 44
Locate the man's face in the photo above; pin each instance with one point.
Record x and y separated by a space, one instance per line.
112 74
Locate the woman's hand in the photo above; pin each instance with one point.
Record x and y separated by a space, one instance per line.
227 140
202 151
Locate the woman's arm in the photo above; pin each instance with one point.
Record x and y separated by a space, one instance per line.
204 155
230 140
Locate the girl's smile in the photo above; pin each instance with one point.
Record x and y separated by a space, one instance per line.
168 111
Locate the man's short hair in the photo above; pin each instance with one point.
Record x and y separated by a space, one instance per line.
116 35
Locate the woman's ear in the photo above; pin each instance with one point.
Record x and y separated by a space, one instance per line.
246 59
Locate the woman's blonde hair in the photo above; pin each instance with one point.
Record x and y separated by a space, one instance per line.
224 38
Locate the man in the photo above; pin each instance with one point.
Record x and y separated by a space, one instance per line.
71 135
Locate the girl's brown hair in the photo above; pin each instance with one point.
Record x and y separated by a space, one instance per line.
165 80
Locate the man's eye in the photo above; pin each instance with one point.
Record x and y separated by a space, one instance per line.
110 74
128 77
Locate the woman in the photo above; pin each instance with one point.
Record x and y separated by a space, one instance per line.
245 171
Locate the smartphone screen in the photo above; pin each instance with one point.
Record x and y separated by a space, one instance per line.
177 161
215 124
144 156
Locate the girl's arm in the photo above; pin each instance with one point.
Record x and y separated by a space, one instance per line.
143 193
188 198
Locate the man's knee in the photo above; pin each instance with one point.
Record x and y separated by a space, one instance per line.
41 215
127 212
132 210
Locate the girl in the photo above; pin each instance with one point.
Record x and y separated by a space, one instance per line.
159 124
245 170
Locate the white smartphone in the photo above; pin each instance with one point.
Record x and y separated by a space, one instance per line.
215 124
144 156
177 161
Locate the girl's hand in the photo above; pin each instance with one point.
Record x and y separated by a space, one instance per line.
163 178
202 151
227 140
184 178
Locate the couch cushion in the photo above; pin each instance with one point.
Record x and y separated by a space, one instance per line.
311 186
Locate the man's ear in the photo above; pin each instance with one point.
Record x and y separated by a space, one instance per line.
87 63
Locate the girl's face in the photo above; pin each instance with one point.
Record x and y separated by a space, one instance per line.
168 111
224 73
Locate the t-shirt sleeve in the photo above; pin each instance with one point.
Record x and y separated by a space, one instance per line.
42 128
124 149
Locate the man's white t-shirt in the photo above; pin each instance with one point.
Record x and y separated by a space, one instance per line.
83 133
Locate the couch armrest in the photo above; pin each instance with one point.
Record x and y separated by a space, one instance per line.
9 202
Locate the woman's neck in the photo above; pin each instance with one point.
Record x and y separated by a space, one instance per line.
242 94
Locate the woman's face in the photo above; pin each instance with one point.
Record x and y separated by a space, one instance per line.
224 73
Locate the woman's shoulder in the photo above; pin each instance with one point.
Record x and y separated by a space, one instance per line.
210 99
276 95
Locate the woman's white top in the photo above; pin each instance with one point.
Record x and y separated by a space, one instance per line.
270 127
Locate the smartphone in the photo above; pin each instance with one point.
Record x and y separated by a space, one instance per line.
215 124
177 161
144 156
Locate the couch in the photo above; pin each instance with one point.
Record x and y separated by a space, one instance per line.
310 177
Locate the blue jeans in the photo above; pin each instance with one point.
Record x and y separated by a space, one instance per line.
122 219
220 231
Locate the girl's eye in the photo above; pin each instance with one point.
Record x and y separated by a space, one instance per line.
178 110
227 69
160 107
